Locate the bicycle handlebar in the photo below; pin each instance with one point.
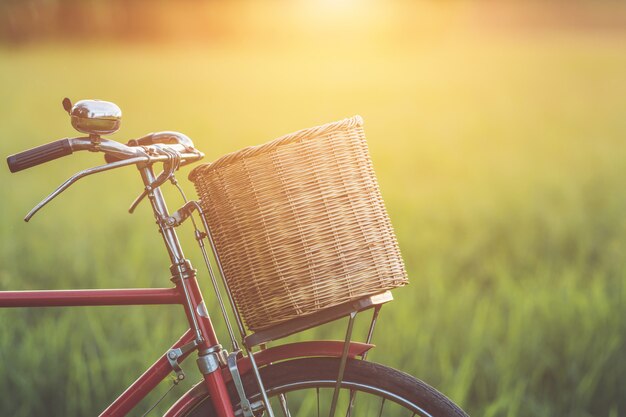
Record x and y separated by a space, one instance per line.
151 146
155 147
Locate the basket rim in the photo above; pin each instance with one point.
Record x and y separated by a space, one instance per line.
251 151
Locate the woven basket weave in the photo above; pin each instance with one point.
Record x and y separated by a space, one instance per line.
299 223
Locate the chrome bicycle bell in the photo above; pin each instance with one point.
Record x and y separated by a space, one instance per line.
94 117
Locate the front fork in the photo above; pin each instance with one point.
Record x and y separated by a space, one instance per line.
184 277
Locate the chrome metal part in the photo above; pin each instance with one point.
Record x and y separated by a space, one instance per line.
110 147
231 300
257 375
124 155
174 354
176 219
121 151
255 406
234 372
96 117
199 238
169 167
283 405
153 153
166 138
215 348
169 237
370 334
342 364
160 211
222 354
209 363
182 214
201 310
183 283
78 176
218 295
370 389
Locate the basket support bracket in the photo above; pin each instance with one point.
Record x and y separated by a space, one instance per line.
370 334
234 372
247 408
342 364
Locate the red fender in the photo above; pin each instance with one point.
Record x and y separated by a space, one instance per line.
328 348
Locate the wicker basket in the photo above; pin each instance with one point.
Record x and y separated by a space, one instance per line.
299 223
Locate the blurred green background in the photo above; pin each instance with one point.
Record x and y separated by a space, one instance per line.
498 134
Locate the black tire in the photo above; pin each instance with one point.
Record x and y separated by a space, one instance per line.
408 395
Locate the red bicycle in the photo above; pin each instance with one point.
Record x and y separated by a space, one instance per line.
306 378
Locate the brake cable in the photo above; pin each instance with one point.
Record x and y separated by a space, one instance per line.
175 382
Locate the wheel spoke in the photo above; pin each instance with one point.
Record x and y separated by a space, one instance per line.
382 405
298 385
351 403
283 405
318 401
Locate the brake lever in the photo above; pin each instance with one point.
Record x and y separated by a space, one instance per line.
169 167
137 200
78 176
160 179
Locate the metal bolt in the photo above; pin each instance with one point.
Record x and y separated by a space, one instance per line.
172 355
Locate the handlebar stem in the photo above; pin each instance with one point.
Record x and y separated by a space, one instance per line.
159 207
172 244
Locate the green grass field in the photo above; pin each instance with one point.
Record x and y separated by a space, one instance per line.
500 157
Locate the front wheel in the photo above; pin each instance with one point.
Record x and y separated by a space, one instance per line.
304 388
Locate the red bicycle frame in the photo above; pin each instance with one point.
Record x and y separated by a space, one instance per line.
112 297
161 368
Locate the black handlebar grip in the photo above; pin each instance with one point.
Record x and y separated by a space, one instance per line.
39 155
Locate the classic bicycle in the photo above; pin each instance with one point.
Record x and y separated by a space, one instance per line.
323 378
